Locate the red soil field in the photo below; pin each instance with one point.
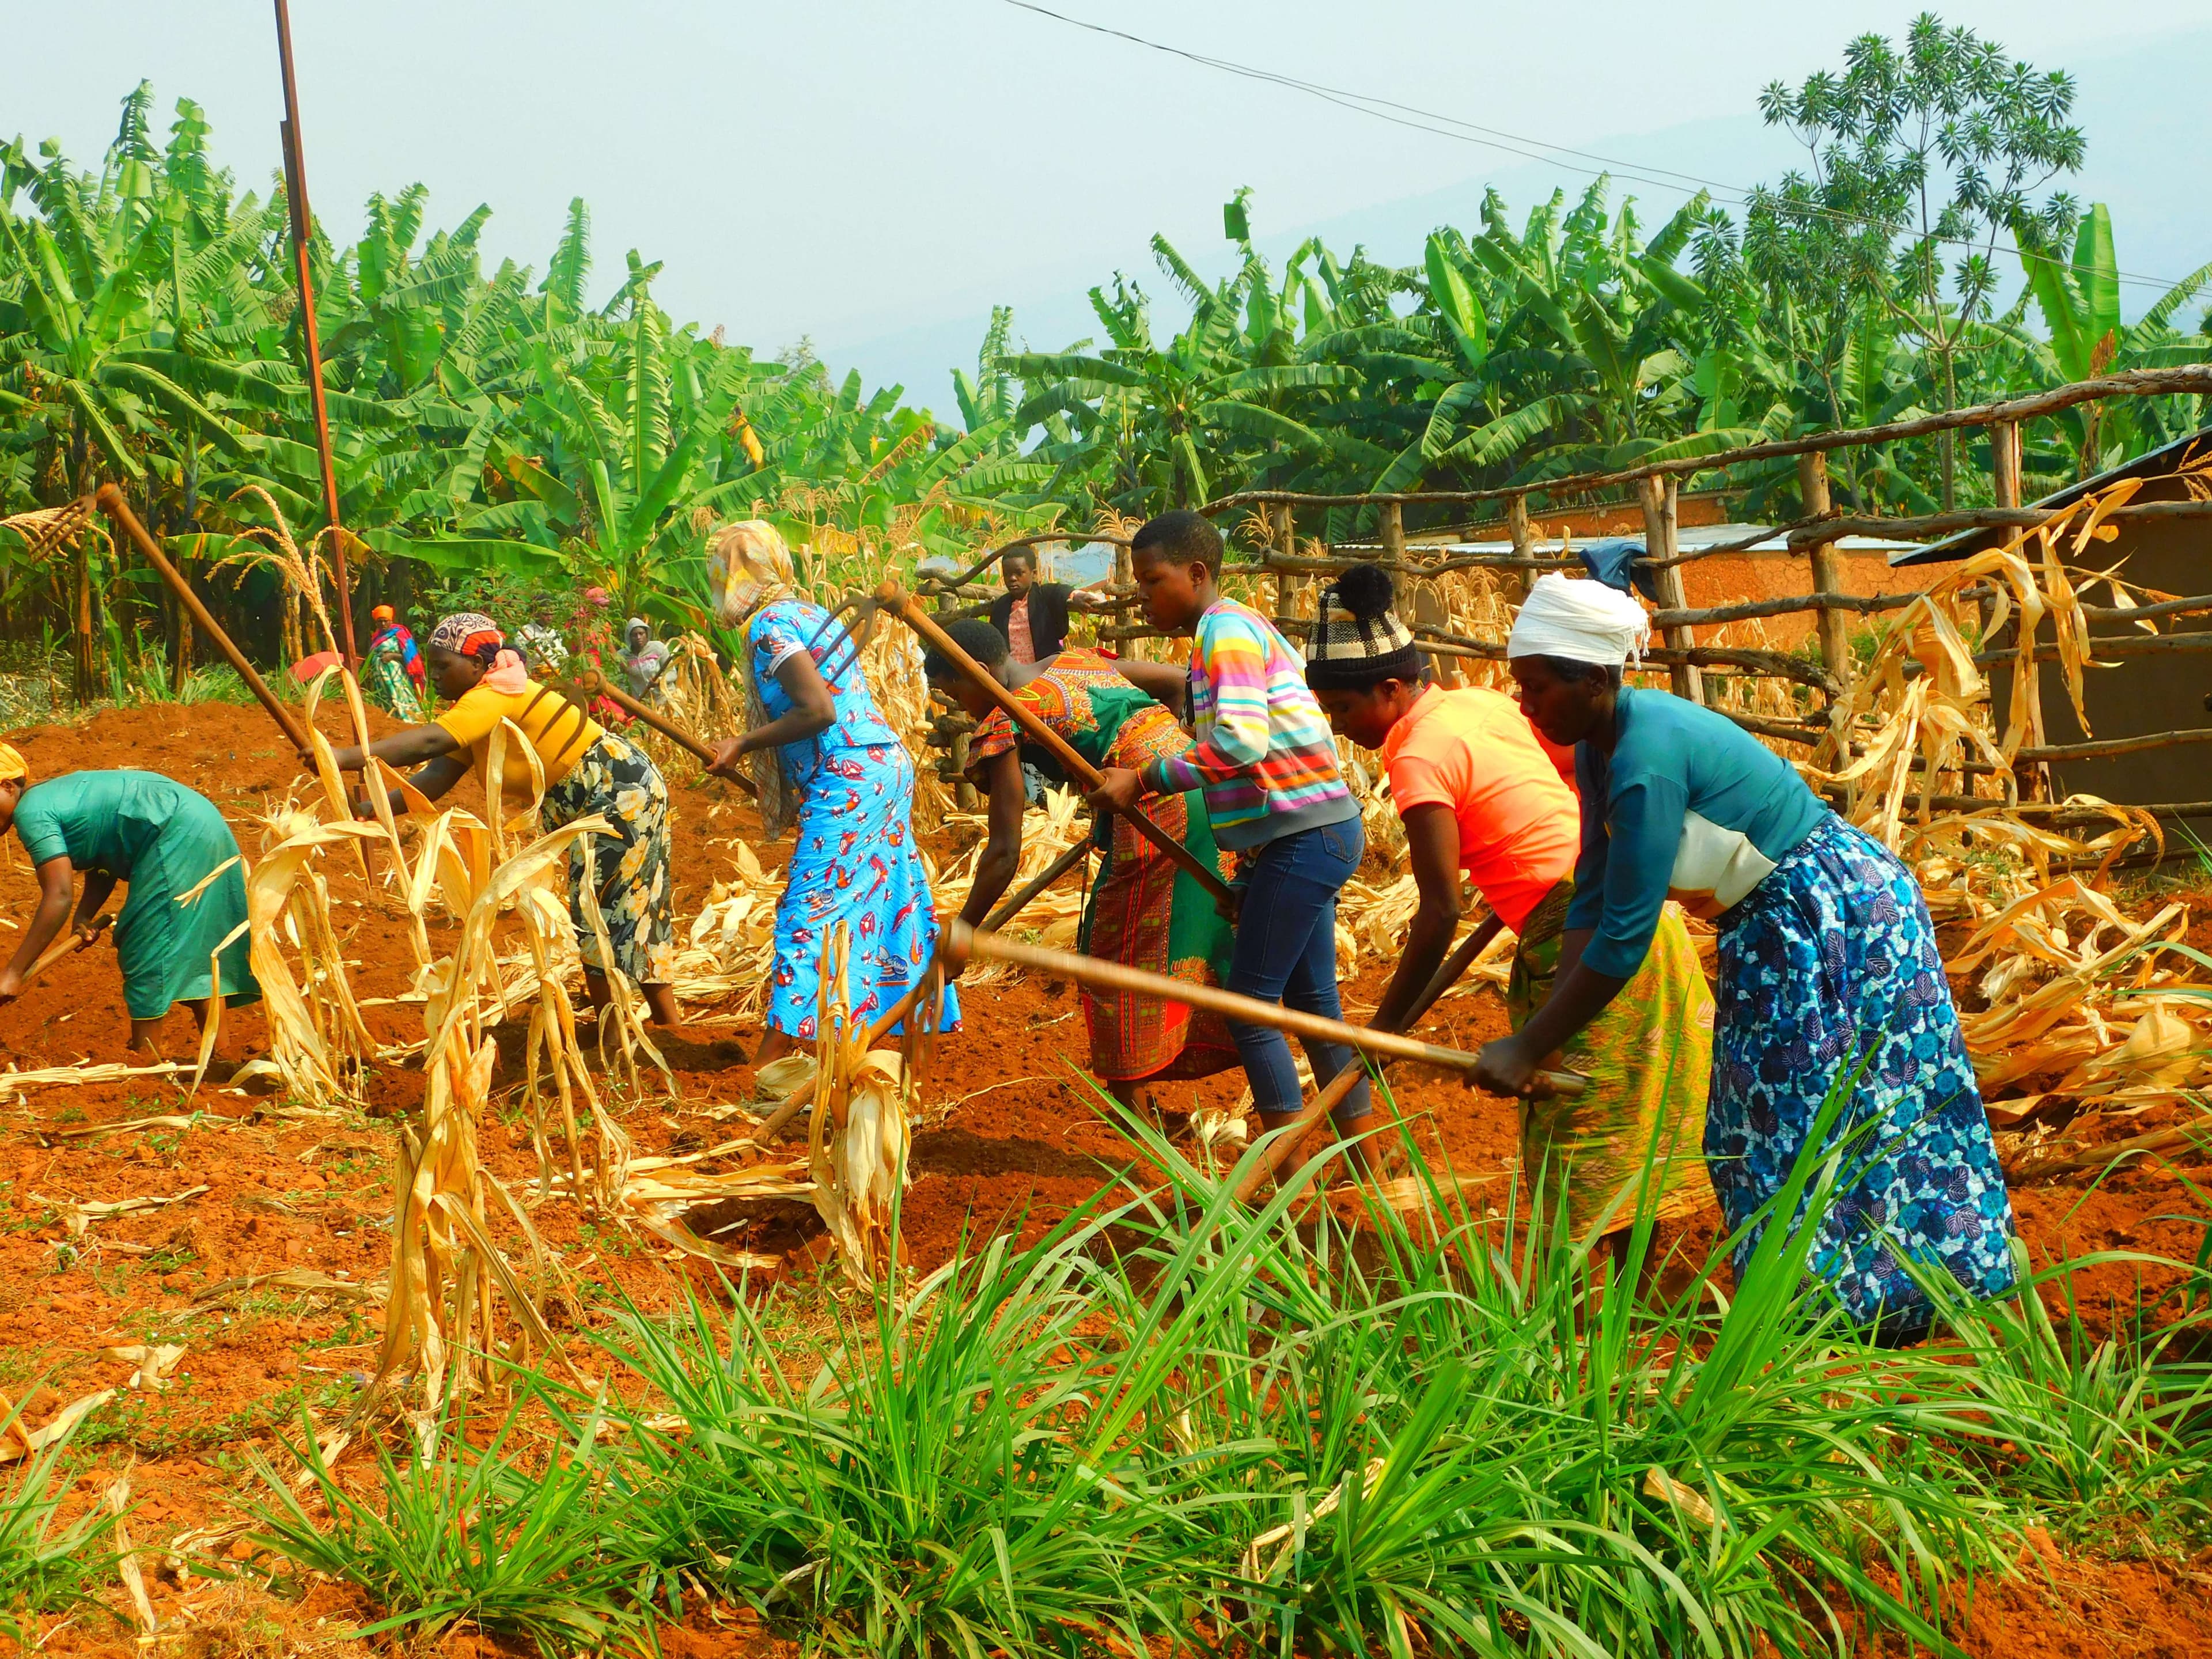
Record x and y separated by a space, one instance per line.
1007 1136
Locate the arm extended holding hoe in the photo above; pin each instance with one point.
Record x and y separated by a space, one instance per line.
592 684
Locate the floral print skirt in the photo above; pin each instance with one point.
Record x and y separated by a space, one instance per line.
1830 964
855 863
629 869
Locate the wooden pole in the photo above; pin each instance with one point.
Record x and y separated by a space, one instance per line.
1835 626
110 500
1428 604
1524 546
895 599
2004 462
959 941
1018 901
1284 521
296 192
1659 543
1448 974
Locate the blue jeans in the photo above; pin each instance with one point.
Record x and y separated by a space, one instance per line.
1285 952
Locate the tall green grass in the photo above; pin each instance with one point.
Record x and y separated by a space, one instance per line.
1259 1431
48 1565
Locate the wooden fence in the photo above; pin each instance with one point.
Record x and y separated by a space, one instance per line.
1270 546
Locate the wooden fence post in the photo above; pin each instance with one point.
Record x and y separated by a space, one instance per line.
1284 521
1518 582
1835 626
1428 604
2033 778
2004 459
1660 510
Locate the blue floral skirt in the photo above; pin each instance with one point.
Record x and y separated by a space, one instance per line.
854 862
1831 961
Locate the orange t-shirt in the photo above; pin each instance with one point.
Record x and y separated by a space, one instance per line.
1520 826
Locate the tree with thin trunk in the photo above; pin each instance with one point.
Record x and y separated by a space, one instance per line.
1919 161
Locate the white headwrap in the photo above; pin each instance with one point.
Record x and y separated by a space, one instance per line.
1582 621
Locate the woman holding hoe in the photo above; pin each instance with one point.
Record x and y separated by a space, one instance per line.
586 769
1478 793
1143 909
1829 977
181 935
823 757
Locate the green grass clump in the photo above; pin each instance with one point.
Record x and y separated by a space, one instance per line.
46 1567
473 1535
1175 1416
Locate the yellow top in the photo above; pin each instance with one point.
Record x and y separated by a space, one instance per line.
559 732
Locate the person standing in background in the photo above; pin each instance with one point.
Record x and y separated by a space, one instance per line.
1032 615
644 662
391 631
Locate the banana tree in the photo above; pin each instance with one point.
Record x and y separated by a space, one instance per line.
1154 427
2079 300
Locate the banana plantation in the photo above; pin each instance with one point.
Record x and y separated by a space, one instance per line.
500 422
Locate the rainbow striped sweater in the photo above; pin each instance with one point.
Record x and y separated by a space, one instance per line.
1264 756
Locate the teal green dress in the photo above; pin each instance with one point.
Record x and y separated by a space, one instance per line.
162 840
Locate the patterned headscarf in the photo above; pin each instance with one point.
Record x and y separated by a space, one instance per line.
12 764
748 565
472 634
468 634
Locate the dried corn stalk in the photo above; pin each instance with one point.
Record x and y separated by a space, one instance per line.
448 1275
317 1038
856 1149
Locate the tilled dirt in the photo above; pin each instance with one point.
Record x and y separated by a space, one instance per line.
1010 1136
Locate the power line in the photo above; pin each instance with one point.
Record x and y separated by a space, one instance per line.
1468 132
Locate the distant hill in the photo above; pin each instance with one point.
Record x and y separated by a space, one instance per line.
2142 109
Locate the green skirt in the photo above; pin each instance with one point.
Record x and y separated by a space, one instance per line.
168 950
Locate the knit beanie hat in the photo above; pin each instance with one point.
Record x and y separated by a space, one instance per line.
1358 642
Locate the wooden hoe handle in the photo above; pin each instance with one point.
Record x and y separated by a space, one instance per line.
69 946
959 941
110 499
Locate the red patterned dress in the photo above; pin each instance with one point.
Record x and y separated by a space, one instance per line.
1142 910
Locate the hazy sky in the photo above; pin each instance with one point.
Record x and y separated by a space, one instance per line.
839 169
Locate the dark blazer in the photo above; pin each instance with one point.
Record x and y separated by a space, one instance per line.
1047 602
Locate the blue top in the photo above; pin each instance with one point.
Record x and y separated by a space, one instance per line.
779 631
1670 758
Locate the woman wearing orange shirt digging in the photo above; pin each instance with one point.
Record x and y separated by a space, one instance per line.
1478 793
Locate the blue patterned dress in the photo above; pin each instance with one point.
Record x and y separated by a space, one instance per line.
1832 957
855 860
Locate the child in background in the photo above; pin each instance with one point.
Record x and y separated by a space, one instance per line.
1267 767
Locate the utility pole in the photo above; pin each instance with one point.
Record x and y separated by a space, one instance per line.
295 195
